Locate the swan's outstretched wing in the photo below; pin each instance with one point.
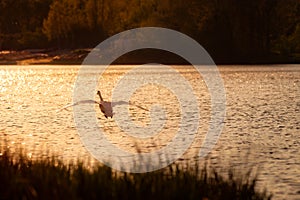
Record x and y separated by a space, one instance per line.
116 103
140 107
79 102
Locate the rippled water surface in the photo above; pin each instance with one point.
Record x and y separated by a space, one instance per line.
261 128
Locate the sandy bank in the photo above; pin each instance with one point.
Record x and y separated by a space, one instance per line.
43 56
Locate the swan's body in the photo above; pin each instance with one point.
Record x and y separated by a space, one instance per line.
105 106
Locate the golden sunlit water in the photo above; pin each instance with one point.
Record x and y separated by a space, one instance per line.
262 125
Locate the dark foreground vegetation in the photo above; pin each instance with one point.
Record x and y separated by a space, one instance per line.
230 30
50 178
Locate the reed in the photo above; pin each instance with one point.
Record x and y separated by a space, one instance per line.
50 178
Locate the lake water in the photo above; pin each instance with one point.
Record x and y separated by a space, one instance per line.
261 128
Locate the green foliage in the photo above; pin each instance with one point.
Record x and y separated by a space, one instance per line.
50 178
286 29
65 22
20 21
289 45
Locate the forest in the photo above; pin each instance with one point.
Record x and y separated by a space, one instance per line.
230 30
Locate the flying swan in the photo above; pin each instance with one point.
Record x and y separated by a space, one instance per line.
105 106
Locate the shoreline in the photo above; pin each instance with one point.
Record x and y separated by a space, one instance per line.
43 56
77 56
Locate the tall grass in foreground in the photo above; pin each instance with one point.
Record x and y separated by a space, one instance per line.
50 178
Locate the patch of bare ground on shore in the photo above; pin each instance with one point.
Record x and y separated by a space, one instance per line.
43 56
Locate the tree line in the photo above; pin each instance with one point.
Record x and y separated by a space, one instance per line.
226 28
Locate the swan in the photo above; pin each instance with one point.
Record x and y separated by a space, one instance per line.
105 106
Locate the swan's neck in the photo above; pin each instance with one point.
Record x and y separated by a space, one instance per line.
101 99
